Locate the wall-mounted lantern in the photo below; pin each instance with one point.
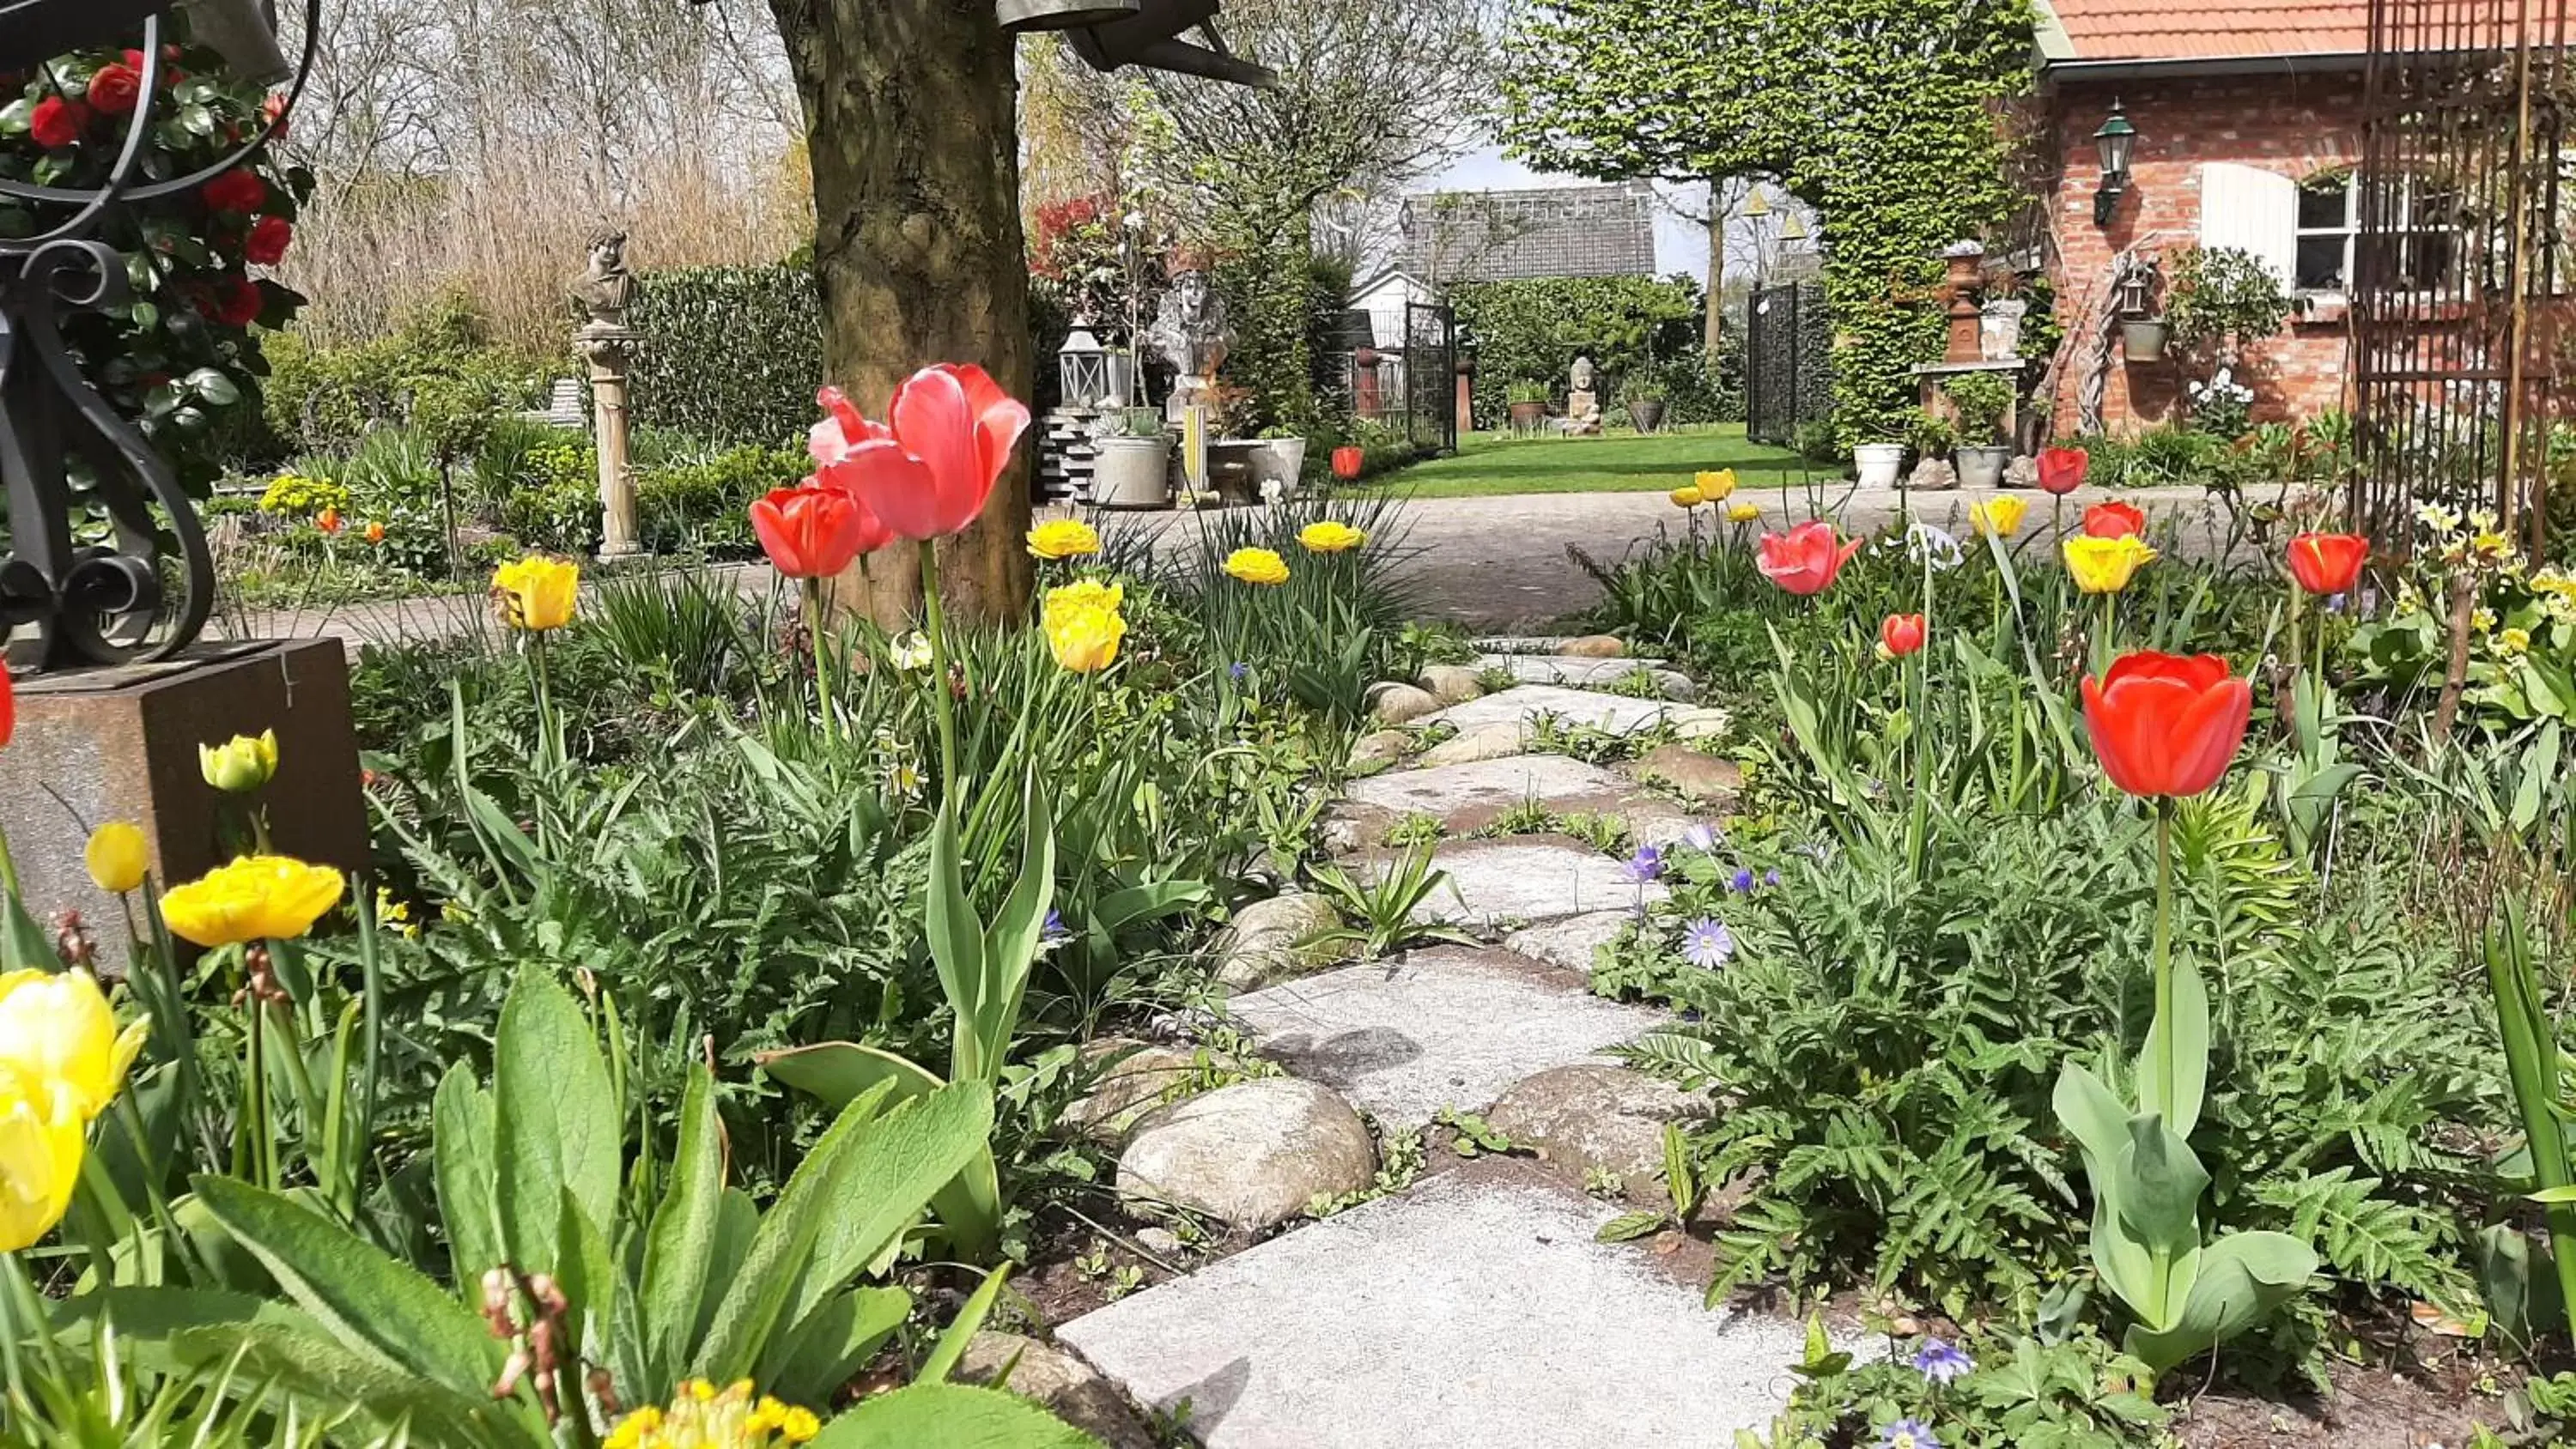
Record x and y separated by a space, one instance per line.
2115 142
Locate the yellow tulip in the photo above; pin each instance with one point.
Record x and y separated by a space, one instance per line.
56 1030
1686 498
536 593
2000 517
1716 486
1742 512
258 897
1330 537
1082 594
1064 538
118 857
1083 625
241 764
41 1145
1257 566
2105 565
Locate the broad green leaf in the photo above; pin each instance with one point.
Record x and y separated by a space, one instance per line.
2161 1183
365 1299
310 1366
897 1164
822 1351
950 1416
2243 1277
2179 1104
461 1150
836 1072
682 1240
2098 1120
737 1227
957 948
588 1278
1628 1227
1011 948
555 1124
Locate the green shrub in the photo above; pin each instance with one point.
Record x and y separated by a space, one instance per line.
729 352
1982 399
704 506
1526 330
554 517
437 361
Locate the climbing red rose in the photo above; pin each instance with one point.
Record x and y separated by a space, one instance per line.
239 301
57 122
235 190
114 89
266 244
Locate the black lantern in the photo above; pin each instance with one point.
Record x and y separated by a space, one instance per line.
2114 143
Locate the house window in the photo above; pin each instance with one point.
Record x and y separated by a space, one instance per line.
2327 208
2328 238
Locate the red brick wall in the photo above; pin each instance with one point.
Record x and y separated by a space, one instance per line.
2293 124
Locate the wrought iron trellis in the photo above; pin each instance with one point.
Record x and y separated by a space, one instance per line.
1788 362
1431 375
2461 307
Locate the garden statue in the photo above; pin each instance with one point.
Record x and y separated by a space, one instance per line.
602 292
1190 331
1999 329
1582 402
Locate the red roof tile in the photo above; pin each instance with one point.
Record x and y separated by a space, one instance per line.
2211 29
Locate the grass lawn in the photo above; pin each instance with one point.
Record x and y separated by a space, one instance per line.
1490 464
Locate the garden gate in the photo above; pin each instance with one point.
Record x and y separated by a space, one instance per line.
1431 375
1788 362
2461 310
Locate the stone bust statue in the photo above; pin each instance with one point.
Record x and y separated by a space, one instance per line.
1190 326
605 287
1584 376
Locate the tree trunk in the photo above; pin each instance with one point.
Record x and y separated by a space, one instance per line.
911 121
1716 338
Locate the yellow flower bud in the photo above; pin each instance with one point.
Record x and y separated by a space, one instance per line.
2105 565
1999 517
1257 566
41 1144
1686 498
1743 512
1064 538
241 764
1714 486
536 593
118 857
1330 536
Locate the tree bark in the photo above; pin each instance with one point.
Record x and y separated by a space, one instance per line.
912 127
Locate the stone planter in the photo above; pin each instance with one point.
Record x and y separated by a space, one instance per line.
1282 460
2143 341
1877 465
1981 467
1526 416
1232 464
1647 413
1133 473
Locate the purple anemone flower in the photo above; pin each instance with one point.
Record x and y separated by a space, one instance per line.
1942 1363
1646 864
1707 944
1908 1434
1742 882
1771 877
1700 838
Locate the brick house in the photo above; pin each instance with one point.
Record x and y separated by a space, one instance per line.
2248 117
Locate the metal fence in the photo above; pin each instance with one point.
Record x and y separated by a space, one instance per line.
1431 375
1788 362
2462 319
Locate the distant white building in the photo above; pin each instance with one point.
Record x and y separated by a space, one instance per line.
1384 296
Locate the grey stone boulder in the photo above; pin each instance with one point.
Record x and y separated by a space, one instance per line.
1570 944
1056 1381
2021 472
1485 742
1451 683
1379 749
1594 1115
1272 940
1392 702
1132 1085
1702 777
1250 1155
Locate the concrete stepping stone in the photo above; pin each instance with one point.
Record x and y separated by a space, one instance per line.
1442 1028
1526 704
1579 673
1569 945
1520 880
1468 797
1473 1309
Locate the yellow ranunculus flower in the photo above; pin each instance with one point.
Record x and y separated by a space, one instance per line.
118 857
537 592
2000 517
258 897
1257 566
1064 538
1714 486
41 1145
56 1028
1081 594
241 764
1330 536
1083 625
2105 565
1743 512
1686 498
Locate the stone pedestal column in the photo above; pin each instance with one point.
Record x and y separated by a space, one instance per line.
610 351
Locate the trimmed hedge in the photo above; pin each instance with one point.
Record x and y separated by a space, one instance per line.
1532 330
729 352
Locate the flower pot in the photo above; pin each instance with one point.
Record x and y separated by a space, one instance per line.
1878 464
1132 472
1981 467
1647 413
1233 466
1278 460
2143 341
1526 416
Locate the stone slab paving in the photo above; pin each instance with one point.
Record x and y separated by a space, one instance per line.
1588 673
1569 945
1442 1028
1524 879
1473 1309
1524 705
1486 788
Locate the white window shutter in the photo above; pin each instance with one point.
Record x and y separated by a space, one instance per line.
2253 210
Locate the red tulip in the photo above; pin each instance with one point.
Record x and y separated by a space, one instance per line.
1901 634
2114 520
1806 558
813 532
1347 462
8 705
2166 724
931 472
2328 563
2061 470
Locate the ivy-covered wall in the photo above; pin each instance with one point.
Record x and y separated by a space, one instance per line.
730 353
1529 332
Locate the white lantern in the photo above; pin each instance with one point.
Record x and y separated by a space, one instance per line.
1083 365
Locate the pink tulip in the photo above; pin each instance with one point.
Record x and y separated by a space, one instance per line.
930 473
1806 558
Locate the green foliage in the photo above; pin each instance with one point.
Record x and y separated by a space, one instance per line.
730 352
1982 399
703 506
434 372
2023 1393
1527 331
2220 298
1390 906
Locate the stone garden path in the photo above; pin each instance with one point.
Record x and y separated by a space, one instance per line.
1473 1306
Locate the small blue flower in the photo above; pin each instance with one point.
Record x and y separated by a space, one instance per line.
1054 929
1942 1363
1237 671
1700 838
1742 882
1707 944
1908 1434
1646 864
1771 877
